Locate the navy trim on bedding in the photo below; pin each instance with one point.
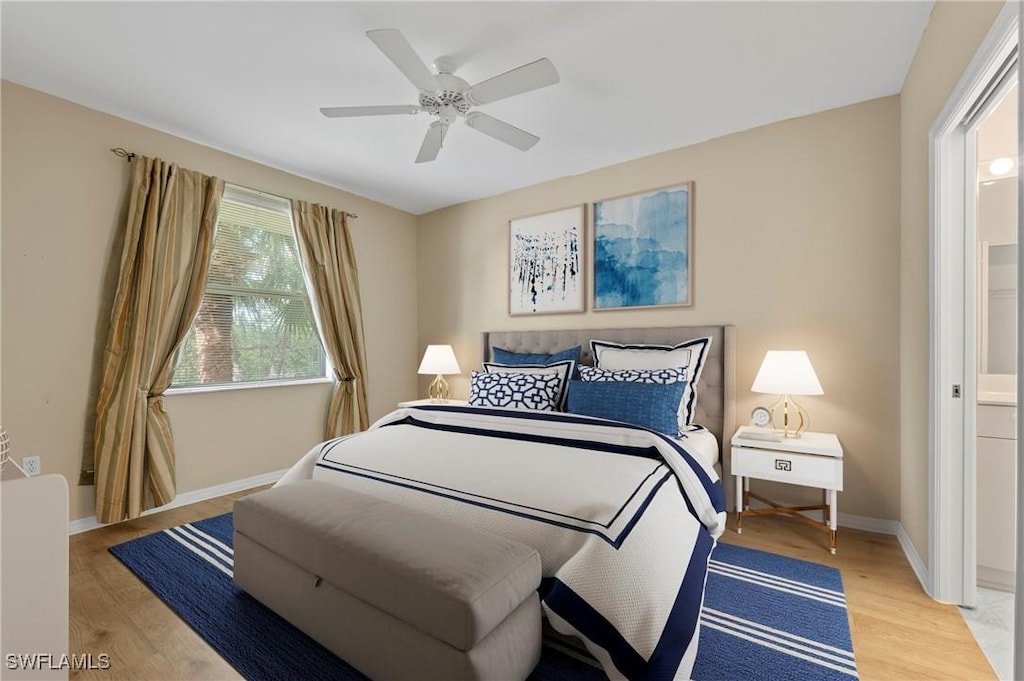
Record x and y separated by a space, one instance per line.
681 625
714 488
614 542
342 466
643 452
593 626
702 353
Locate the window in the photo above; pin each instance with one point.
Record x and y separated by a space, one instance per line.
255 324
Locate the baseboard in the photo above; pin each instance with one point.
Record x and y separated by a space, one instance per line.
186 498
994 578
879 526
914 558
869 524
849 520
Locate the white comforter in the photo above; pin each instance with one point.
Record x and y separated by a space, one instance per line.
624 519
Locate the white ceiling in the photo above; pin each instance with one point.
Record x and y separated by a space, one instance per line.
636 78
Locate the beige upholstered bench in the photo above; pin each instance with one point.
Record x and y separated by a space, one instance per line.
395 593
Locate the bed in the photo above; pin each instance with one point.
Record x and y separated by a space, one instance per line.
624 518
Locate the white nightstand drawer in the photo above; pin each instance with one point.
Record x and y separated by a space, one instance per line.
796 469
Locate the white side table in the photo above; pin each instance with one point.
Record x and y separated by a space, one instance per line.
420 403
814 460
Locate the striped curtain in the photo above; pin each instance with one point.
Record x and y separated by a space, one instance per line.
330 264
168 237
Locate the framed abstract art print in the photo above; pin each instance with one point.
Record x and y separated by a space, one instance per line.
545 262
643 249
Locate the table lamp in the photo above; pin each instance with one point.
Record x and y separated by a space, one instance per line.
440 360
787 373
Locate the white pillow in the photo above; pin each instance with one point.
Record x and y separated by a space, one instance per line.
691 355
616 357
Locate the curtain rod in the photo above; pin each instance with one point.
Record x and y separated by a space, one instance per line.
121 152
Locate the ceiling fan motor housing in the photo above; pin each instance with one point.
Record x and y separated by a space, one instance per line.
450 99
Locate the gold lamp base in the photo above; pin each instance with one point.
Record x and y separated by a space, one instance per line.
439 390
790 411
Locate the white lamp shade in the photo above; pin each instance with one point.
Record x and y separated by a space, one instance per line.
439 359
787 372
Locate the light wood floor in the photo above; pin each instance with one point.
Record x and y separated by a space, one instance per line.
898 632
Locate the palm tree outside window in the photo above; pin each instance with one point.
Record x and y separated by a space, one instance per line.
255 324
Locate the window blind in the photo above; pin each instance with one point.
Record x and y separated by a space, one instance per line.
255 323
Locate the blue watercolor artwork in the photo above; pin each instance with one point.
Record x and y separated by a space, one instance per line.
642 249
544 263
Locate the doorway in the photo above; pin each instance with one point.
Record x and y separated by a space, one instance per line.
994 216
995 230
954 336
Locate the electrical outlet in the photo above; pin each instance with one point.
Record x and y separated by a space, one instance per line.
31 465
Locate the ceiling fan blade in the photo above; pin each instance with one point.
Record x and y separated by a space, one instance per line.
500 130
532 76
350 111
432 142
396 48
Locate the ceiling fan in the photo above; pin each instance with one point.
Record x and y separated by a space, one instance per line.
448 97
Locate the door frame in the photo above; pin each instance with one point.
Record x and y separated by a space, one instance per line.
952 327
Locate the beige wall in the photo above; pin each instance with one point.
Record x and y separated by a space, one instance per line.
950 41
62 195
796 243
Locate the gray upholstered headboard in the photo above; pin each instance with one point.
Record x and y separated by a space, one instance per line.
715 391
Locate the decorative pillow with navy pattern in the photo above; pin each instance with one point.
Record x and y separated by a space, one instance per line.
539 392
564 369
663 376
648 405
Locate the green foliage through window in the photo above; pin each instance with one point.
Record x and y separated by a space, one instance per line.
255 323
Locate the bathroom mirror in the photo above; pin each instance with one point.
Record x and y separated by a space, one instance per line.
998 342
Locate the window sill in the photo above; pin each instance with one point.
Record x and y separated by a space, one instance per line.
224 387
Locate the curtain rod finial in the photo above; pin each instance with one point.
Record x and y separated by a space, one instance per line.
123 153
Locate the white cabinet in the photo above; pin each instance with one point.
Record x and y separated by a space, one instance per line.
996 494
34 590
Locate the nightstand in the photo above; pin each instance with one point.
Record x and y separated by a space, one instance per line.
814 460
420 403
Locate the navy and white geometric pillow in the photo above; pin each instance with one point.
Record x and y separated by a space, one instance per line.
518 391
662 376
563 368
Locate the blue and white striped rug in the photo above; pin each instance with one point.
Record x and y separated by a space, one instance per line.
765 616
